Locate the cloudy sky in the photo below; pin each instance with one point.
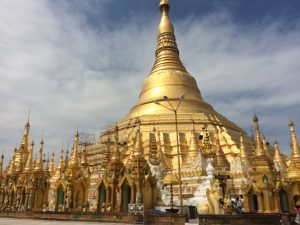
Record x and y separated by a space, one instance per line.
81 63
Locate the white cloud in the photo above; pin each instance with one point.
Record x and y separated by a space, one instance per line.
71 73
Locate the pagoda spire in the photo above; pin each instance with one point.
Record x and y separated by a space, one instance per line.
243 151
25 140
278 157
220 161
259 150
1 166
294 166
138 150
115 156
29 163
52 166
265 146
11 168
60 165
295 154
39 165
74 162
167 53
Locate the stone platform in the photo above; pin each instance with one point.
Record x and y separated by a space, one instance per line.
105 218
247 219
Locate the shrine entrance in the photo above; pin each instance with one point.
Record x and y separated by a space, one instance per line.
60 198
126 197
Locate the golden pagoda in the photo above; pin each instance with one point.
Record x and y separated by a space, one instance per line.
294 165
167 81
172 137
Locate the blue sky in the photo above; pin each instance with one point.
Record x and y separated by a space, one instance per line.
81 63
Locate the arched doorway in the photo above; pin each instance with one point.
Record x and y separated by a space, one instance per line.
101 196
23 200
284 205
80 196
253 203
60 197
126 196
12 199
148 195
39 199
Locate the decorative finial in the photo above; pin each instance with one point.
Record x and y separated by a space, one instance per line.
27 123
255 118
77 133
42 141
163 3
291 123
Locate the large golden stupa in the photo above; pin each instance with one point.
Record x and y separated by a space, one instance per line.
169 78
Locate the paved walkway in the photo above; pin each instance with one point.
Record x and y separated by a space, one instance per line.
9 221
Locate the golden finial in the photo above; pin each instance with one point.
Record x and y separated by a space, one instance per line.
29 163
259 151
165 25
74 160
163 2
28 124
52 166
39 165
60 165
294 142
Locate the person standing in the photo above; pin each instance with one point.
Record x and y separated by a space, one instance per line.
239 206
297 206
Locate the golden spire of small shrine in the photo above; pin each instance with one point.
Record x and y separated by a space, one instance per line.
194 145
52 166
138 150
1 166
74 162
29 163
25 140
259 151
265 146
115 156
295 154
84 161
11 168
39 165
278 157
294 166
60 165
220 161
244 154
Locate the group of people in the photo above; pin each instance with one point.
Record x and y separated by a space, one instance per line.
237 204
